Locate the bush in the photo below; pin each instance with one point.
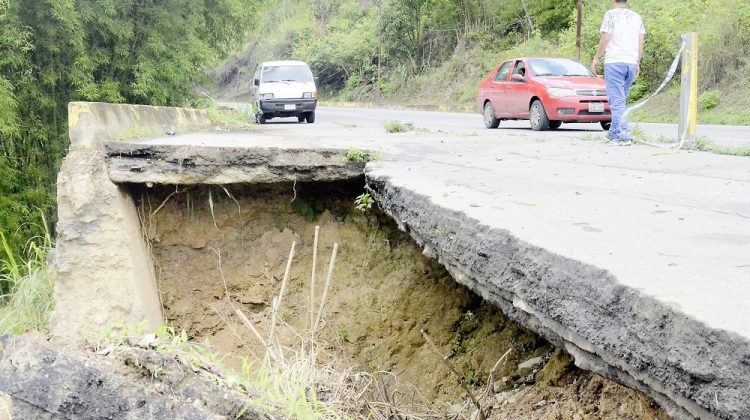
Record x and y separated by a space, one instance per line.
709 100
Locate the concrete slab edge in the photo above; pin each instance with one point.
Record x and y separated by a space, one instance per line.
191 165
616 331
91 122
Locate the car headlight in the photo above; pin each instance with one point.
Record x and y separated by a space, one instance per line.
266 96
560 92
309 95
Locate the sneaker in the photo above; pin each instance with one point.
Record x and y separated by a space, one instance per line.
614 142
608 136
627 142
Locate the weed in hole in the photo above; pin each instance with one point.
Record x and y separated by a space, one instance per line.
310 210
342 335
364 202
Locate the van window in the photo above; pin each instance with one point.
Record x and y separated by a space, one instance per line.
286 74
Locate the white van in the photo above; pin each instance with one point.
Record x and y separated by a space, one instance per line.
285 89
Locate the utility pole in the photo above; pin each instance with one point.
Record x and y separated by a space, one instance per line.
380 45
578 29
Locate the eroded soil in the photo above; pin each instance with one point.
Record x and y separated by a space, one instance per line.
210 241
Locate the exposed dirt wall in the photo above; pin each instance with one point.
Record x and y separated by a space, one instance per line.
210 240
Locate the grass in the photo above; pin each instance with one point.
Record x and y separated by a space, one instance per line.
27 287
706 145
396 126
227 118
231 118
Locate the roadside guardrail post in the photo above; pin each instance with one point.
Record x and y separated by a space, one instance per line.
689 90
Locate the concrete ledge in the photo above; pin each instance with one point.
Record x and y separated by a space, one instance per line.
692 370
91 122
188 165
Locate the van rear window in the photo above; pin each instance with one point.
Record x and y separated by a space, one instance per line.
286 74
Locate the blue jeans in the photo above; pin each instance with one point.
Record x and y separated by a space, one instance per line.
619 78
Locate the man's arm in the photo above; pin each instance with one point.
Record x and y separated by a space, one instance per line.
603 43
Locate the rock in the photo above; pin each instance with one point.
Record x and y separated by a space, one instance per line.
74 384
526 367
502 384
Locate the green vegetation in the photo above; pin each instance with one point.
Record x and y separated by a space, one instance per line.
310 209
56 51
396 126
435 52
364 202
709 100
25 286
354 155
707 145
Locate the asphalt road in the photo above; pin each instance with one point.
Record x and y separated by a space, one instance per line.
464 123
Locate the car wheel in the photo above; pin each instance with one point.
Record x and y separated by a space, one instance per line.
261 118
489 116
311 117
301 118
538 117
606 125
554 125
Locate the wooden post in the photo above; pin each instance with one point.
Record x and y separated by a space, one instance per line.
689 90
579 22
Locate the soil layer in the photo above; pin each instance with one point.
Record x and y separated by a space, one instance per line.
212 241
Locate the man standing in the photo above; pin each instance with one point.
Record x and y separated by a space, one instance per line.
623 36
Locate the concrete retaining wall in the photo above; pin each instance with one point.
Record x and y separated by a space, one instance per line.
102 267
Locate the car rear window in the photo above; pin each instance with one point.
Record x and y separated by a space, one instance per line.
286 74
542 67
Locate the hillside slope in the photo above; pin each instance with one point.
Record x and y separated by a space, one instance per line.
388 52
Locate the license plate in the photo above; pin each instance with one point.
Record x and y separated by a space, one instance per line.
289 107
596 107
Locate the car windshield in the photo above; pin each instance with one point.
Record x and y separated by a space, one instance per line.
542 67
288 73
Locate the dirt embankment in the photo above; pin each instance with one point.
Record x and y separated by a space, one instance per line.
210 241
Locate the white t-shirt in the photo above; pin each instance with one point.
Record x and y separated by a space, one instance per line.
625 26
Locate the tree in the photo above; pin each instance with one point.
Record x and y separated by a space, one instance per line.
56 51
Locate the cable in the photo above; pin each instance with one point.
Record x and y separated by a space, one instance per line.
667 79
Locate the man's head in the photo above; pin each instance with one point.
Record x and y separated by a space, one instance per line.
620 3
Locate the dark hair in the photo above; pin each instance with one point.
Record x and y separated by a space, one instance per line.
621 1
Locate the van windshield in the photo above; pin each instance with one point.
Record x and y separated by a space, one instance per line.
286 74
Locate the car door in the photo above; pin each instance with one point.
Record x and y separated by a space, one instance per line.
497 90
518 91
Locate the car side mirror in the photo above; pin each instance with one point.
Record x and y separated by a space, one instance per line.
256 82
517 78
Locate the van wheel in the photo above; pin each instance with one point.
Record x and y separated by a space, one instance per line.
261 118
301 118
311 117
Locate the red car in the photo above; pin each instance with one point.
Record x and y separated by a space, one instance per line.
546 91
